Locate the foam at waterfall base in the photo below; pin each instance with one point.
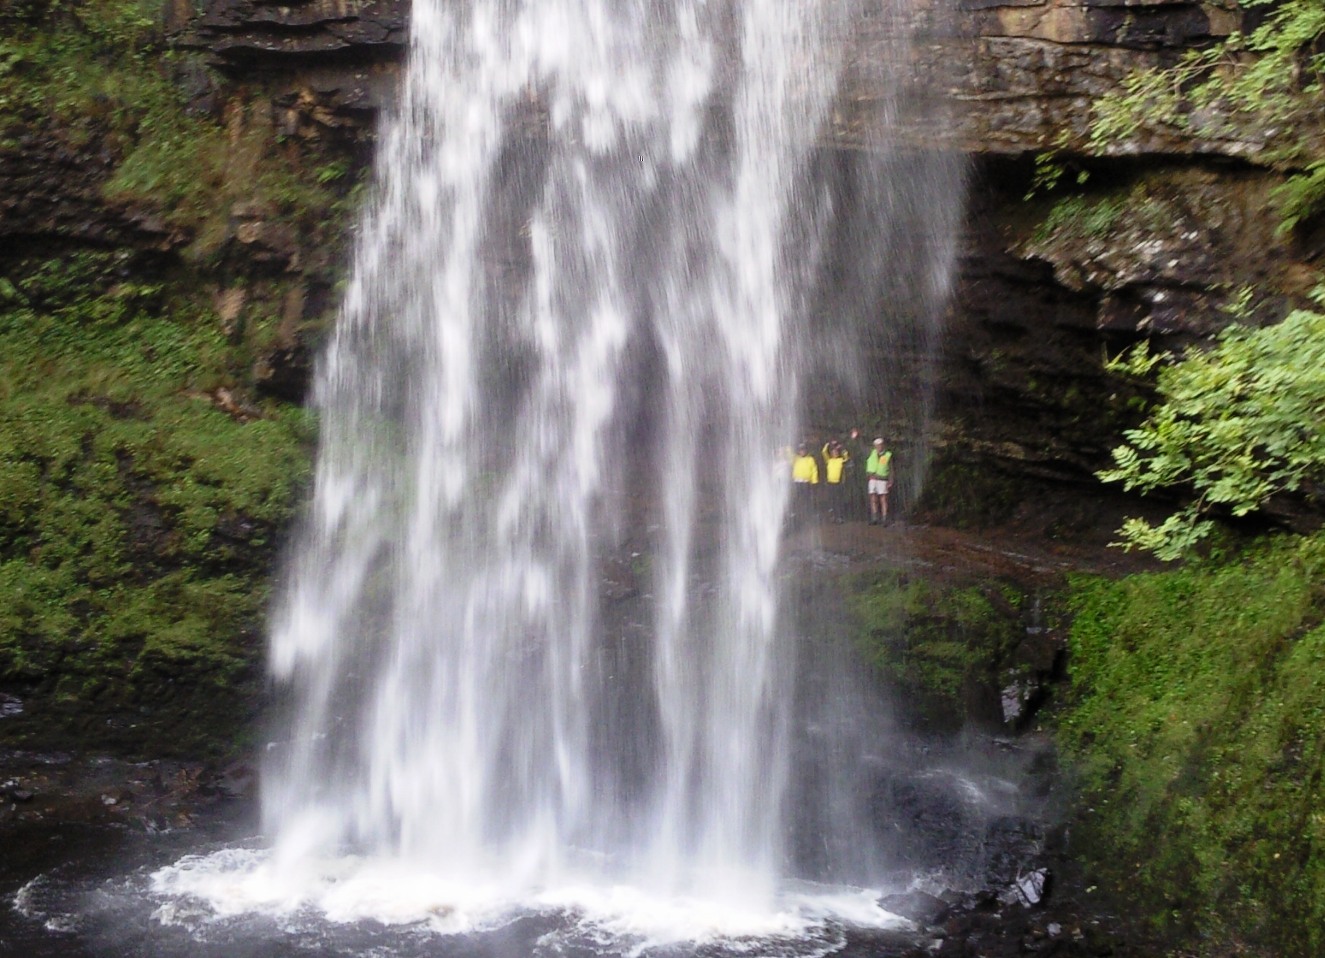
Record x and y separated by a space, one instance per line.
807 919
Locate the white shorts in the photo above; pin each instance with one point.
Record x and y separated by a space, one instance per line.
878 487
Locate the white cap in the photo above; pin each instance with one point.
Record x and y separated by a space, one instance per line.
878 442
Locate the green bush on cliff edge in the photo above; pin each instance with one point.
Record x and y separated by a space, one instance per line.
1198 735
1235 424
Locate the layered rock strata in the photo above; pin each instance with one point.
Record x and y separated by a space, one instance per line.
1167 227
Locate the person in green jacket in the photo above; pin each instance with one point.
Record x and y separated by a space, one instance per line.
878 476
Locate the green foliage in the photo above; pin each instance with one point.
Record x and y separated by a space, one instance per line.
77 61
136 520
333 171
1235 424
1082 217
1262 89
102 72
1050 171
1198 715
933 639
1300 196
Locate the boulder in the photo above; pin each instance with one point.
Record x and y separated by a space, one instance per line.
917 906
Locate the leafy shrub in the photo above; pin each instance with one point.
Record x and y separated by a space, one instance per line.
1235 424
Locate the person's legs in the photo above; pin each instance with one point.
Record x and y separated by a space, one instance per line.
802 504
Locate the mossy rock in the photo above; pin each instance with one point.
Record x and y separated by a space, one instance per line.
1199 716
944 646
139 519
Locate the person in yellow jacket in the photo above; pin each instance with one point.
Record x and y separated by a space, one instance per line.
805 468
835 464
805 480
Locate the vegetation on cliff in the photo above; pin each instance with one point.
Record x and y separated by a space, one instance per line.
1235 424
1260 89
943 646
137 519
1196 726
101 78
1198 734
145 482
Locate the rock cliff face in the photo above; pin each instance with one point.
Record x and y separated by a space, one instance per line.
191 252
1014 75
324 31
1165 229
1022 75
1163 232
328 65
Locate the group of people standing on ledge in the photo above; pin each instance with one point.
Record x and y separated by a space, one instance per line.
835 490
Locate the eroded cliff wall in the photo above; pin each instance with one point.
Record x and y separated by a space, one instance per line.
1166 227
187 211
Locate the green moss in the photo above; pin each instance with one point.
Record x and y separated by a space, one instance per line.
1200 716
932 639
964 496
137 520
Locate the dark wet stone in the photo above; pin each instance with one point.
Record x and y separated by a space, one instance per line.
917 906
237 781
239 32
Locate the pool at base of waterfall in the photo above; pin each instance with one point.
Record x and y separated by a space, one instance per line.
959 839
227 901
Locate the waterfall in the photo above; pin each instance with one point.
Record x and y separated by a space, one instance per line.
581 324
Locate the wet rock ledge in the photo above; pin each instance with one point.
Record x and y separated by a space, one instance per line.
60 788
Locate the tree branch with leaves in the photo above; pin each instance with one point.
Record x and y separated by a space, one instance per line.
1233 425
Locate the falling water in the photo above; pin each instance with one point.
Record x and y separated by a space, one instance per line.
579 327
